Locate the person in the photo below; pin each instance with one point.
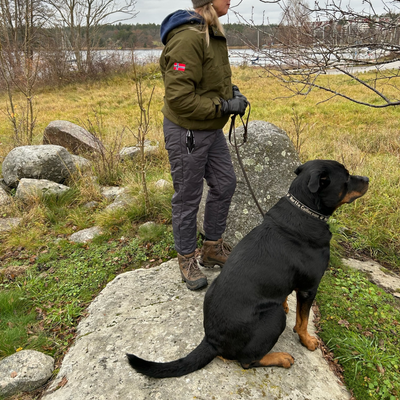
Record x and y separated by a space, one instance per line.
199 98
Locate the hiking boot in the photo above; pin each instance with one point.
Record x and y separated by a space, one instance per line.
191 273
214 253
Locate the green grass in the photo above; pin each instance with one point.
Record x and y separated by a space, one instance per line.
360 324
42 308
18 324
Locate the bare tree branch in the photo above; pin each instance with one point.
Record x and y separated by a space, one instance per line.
312 42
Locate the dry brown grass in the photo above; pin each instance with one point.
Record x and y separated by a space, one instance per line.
366 140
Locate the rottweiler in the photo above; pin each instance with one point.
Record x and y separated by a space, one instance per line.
245 307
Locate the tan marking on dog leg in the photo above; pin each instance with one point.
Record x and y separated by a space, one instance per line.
298 319
307 340
302 314
301 328
284 360
286 306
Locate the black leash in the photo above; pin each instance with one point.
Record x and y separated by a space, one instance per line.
236 145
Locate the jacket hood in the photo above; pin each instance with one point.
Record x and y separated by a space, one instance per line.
176 19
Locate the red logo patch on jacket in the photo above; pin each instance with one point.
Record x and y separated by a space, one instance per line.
179 67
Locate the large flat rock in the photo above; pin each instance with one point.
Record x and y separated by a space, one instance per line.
151 313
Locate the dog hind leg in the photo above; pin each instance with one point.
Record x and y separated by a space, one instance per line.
266 333
286 306
278 359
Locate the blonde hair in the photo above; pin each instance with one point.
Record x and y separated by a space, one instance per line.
210 19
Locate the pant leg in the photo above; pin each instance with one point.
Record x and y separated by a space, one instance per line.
221 180
187 172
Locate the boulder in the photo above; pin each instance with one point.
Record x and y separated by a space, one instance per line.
34 187
129 153
85 235
163 184
148 225
6 224
37 162
5 198
151 313
377 274
82 164
269 159
121 201
24 371
111 192
71 136
91 205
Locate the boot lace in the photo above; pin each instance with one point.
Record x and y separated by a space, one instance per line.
224 249
192 267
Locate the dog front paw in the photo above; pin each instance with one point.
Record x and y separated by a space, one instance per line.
309 341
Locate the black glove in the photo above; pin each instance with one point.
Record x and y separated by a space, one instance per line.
237 105
236 92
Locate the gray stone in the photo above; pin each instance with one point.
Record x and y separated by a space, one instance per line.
121 201
82 164
148 225
151 313
377 274
129 153
163 184
269 159
24 371
71 136
85 235
6 224
34 187
111 192
91 205
5 198
37 162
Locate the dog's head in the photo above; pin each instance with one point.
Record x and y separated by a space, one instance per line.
324 185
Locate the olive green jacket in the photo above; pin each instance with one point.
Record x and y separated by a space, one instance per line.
195 76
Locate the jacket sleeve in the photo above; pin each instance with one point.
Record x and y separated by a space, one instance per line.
186 49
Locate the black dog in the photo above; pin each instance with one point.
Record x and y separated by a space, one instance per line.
244 308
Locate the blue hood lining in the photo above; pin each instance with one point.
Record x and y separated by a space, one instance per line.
176 19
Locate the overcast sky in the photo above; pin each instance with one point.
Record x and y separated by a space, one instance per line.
154 11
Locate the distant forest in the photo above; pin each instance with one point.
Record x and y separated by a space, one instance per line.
147 36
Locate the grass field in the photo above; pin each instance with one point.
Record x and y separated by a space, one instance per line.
41 308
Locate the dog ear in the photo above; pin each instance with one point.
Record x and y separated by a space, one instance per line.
318 180
313 183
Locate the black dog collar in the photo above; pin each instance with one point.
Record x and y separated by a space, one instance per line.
306 209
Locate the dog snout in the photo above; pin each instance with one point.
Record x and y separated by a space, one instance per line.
364 179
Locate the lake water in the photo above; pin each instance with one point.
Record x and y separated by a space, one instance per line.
248 57
236 57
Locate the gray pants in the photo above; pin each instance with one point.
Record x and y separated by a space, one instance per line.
210 160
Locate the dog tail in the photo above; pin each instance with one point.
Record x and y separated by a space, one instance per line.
202 355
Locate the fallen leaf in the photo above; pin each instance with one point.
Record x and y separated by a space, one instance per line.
380 369
344 322
63 382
